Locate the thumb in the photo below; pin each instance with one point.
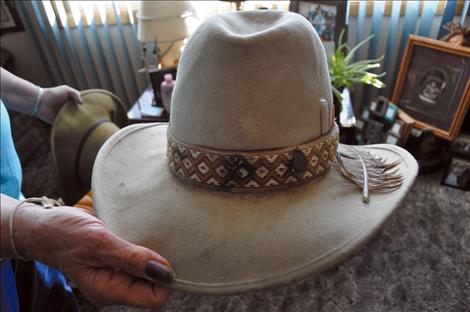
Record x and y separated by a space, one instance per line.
135 260
74 95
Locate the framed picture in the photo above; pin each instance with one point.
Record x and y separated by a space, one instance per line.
458 174
392 139
461 146
373 132
379 106
365 115
397 128
9 19
327 17
360 124
433 85
391 113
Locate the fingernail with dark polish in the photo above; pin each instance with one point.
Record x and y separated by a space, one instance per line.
159 272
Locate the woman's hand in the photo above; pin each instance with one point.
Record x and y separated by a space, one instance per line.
21 96
107 269
52 100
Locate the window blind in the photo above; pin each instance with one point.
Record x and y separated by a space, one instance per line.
93 44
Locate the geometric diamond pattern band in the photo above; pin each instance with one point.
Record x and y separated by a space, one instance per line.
236 171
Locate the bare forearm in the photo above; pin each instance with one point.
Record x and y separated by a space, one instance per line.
24 97
106 268
6 206
27 214
18 94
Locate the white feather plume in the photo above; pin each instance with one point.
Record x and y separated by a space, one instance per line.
369 172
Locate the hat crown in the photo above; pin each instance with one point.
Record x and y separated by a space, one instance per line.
251 80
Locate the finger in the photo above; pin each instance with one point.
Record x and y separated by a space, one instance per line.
105 286
74 95
135 260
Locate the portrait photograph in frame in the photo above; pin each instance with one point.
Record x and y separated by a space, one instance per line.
327 17
433 85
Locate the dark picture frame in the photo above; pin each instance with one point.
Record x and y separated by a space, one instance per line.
458 174
9 18
327 17
433 85
379 106
461 147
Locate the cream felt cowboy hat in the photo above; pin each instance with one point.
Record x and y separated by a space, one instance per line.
237 191
78 133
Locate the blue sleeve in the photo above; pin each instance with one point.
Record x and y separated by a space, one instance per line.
10 184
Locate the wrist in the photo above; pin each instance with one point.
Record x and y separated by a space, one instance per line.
14 215
37 102
25 225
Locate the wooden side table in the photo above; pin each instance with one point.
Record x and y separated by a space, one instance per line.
143 110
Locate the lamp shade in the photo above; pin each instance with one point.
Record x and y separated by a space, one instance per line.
163 21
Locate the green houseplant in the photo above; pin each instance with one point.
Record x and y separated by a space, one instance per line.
344 73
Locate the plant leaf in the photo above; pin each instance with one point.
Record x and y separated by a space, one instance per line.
350 55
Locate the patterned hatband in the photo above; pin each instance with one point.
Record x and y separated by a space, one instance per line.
236 171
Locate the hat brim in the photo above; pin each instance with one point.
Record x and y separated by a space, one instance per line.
72 127
220 242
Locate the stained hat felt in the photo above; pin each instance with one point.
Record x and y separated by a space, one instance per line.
78 133
239 192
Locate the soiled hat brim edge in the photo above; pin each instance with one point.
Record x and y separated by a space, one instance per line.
307 270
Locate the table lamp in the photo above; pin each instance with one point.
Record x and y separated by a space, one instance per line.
162 29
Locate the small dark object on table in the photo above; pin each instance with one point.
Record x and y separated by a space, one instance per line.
429 151
143 110
458 174
461 147
373 133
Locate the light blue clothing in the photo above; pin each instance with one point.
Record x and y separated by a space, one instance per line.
41 287
10 166
10 184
